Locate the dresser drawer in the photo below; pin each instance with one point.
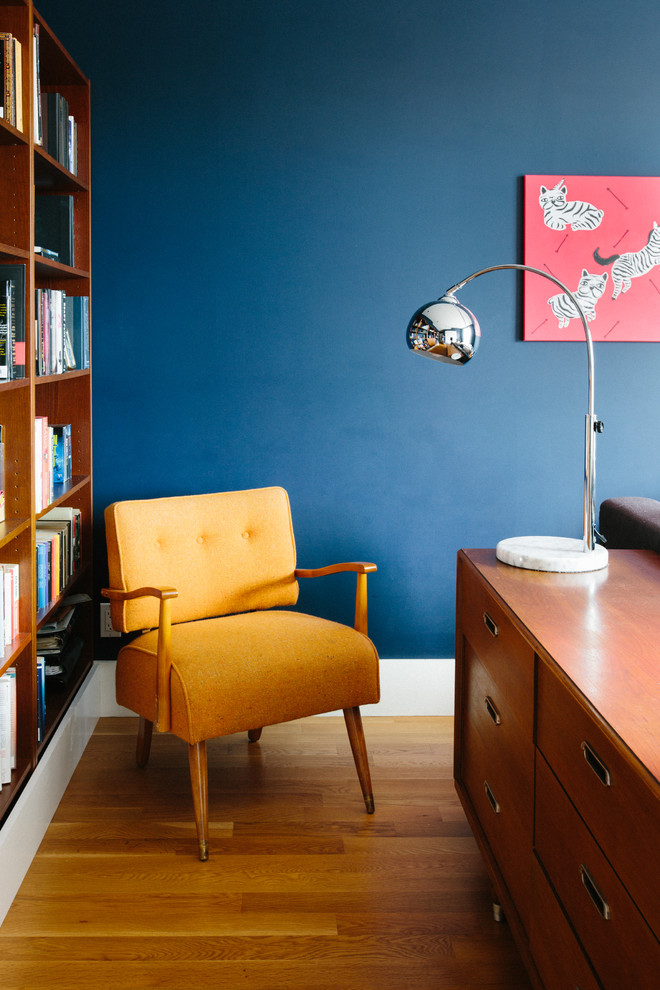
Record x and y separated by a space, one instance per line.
503 802
620 945
491 714
501 648
557 954
612 793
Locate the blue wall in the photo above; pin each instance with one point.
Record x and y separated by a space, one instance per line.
277 187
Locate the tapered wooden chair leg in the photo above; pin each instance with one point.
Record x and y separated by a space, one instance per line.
145 731
200 792
353 721
254 735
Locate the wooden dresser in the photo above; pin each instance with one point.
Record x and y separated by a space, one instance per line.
557 761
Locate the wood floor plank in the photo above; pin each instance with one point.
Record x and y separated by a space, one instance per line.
302 887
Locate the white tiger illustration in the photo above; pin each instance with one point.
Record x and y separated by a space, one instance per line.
559 214
633 263
590 289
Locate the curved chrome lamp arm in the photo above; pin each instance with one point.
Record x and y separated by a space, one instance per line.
447 331
593 425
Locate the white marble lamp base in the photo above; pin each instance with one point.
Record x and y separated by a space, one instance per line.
550 553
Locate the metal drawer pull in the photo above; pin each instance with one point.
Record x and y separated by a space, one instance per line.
597 765
494 803
490 625
597 898
491 708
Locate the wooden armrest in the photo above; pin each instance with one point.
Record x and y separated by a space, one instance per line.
358 566
361 568
163 649
119 595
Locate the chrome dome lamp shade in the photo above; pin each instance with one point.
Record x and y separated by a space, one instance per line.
445 330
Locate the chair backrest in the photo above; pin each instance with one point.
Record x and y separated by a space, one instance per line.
224 553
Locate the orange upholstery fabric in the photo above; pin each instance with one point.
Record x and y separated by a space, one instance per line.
241 672
224 553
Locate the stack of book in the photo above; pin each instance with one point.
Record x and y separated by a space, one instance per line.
9 599
12 322
11 60
7 725
54 127
62 332
52 459
59 131
58 552
59 646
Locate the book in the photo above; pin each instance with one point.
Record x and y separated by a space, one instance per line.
12 601
10 673
41 698
54 226
8 596
18 83
42 574
36 92
15 278
5 730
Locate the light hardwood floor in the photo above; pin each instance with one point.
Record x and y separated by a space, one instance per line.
302 888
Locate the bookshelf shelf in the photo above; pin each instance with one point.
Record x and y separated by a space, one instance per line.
49 174
46 268
31 171
10 135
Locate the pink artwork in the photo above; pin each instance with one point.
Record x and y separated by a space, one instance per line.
600 236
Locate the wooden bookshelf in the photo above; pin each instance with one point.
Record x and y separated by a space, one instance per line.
29 170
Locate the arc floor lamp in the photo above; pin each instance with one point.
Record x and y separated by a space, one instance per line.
445 330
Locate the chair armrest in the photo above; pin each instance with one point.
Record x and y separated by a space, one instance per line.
119 595
163 649
361 569
359 566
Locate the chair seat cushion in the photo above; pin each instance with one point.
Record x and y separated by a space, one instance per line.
241 672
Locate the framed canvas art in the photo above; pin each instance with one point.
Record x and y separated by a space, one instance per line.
600 236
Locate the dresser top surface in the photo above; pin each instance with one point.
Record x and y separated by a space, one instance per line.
602 629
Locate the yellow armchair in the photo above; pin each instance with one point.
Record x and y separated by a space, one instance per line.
208 580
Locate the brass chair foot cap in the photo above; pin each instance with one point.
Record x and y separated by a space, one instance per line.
369 803
203 851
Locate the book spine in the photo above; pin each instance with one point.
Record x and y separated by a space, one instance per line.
5 730
41 698
8 593
38 132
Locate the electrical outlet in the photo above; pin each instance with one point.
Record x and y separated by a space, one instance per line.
107 629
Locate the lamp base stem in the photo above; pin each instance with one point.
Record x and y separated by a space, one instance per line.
556 554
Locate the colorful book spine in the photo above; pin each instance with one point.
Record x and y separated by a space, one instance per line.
41 698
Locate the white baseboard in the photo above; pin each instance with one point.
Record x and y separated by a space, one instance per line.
26 825
408 687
